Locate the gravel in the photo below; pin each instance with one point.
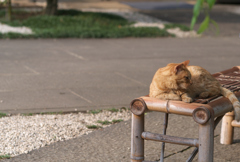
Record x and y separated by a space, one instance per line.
20 134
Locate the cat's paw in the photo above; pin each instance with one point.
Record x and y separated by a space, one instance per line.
204 95
187 99
175 97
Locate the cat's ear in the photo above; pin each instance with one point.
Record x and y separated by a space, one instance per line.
185 63
178 68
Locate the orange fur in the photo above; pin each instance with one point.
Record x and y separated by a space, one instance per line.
168 83
178 81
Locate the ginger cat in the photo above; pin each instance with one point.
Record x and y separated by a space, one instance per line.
178 81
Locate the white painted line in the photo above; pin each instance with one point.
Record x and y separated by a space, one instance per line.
32 70
80 96
126 77
75 55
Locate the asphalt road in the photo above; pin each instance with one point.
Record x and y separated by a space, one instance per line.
226 16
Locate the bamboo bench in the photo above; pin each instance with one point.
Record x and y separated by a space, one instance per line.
206 112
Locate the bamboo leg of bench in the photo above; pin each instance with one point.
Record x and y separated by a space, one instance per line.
227 129
137 142
206 134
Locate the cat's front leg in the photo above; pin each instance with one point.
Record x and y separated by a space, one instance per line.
186 98
204 95
169 96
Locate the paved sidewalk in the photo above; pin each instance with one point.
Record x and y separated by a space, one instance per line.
52 75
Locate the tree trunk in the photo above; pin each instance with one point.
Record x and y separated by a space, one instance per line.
9 10
51 8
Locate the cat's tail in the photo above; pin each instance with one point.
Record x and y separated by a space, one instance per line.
236 105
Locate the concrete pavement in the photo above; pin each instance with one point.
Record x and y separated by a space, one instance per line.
79 74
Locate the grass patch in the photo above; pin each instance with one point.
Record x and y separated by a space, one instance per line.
93 126
2 13
51 113
182 27
2 115
113 110
5 157
116 120
94 111
105 122
77 24
27 114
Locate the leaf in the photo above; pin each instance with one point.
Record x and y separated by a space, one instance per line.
216 26
204 25
211 3
196 11
194 19
197 7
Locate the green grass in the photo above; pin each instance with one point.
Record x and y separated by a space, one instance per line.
2 13
77 24
5 157
182 27
113 110
105 122
94 111
93 127
116 120
2 115
27 114
51 113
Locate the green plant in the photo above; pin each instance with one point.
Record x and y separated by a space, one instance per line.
182 27
27 114
93 127
94 111
116 120
5 157
113 110
105 122
206 6
76 24
2 115
51 113
2 13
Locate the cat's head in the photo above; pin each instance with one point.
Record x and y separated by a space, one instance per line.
182 75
